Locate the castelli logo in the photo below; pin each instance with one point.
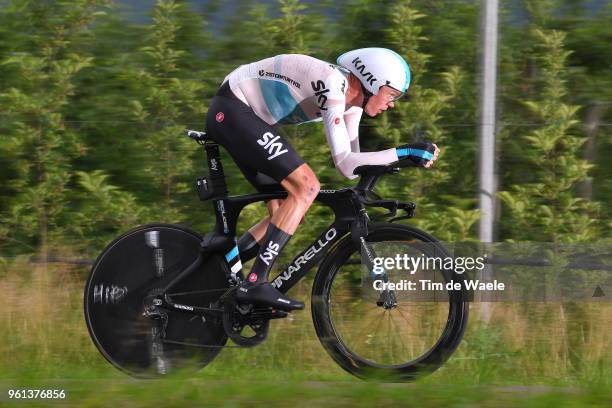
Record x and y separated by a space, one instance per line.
337 121
252 277
220 116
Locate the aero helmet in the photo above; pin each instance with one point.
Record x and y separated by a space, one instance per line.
376 67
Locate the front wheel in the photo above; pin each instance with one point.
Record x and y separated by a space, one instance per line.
395 335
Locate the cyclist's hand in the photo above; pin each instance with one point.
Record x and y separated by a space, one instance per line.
420 154
435 156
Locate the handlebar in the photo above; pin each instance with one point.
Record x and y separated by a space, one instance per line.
370 175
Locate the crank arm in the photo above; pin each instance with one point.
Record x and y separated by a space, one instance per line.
164 303
263 314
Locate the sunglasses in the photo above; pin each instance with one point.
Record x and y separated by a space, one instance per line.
393 94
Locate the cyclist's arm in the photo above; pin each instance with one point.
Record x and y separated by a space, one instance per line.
352 117
339 142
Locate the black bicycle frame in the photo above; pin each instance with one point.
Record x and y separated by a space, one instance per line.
343 203
347 204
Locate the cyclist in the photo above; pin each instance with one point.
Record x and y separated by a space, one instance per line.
292 89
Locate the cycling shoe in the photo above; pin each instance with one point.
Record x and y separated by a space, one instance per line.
264 294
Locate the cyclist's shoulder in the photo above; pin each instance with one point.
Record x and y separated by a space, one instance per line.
288 58
310 63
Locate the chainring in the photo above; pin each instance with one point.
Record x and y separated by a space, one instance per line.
236 318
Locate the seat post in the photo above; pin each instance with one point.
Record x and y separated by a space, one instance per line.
215 168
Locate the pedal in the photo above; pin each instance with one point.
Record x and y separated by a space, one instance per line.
247 314
269 313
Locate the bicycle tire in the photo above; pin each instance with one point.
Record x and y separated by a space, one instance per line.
328 319
125 273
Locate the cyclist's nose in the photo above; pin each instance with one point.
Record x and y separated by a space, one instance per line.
391 104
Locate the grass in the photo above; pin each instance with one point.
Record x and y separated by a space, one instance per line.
198 392
536 354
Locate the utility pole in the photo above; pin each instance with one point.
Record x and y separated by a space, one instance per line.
487 120
487 131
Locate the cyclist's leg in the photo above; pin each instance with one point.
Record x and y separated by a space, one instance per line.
260 152
274 205
222 124
249 242
302 187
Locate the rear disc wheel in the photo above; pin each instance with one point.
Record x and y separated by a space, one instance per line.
124 322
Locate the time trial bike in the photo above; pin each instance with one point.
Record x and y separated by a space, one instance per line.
161 297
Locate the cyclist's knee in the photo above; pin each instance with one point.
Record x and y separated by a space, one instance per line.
302 185
273 206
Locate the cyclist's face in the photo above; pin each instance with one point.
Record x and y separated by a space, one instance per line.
383 101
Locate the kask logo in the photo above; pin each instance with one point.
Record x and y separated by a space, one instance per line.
360 66
270 144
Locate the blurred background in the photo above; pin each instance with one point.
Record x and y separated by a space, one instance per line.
94 95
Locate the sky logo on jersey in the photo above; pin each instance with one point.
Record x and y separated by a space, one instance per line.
270 144
320 91
361 68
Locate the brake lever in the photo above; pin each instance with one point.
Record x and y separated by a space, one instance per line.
390 205
408 208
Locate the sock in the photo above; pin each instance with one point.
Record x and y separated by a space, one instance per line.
248 247
272 245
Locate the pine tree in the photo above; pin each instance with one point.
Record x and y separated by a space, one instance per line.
445 215
38 141
545 206
167 96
